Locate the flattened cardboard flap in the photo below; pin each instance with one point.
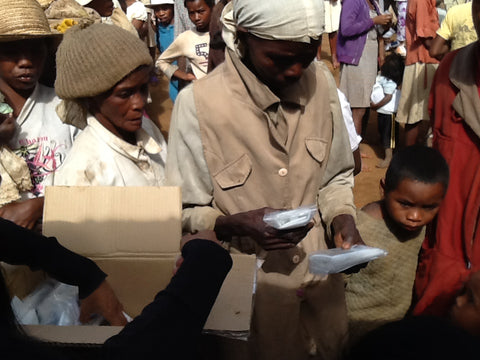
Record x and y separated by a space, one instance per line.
133 234
110 221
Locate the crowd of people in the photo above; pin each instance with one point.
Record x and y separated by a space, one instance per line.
258 125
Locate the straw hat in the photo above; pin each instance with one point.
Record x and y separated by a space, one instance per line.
22 19
159 2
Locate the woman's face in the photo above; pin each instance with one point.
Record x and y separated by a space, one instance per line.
120 109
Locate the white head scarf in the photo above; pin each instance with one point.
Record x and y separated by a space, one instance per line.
290 20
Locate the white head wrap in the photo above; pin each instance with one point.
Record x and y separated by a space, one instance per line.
290 20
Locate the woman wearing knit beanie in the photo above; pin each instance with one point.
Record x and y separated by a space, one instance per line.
102 78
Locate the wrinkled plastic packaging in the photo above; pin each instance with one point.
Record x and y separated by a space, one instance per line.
52 303
336 260
290 219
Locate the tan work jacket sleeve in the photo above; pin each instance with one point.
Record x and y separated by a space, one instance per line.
186 166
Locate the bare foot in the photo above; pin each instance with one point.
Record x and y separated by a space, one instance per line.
335 62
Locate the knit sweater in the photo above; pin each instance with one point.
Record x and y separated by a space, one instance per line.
382 291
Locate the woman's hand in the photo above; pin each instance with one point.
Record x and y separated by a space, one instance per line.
383 19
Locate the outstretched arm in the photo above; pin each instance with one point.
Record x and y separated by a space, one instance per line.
171 324
24 213
20 246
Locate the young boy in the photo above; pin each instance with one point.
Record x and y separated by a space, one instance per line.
193 44
384 99
40 138
421 26
413 189
164 24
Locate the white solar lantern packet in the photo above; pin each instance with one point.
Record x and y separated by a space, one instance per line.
333 261
290 219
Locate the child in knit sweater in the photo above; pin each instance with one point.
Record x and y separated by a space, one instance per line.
413 189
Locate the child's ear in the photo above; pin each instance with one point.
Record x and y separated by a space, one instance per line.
382 187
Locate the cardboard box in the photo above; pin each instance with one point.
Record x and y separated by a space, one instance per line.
133 234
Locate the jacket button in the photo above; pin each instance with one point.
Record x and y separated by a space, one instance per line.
296 259
283 172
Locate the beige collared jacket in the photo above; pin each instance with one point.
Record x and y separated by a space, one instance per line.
235 146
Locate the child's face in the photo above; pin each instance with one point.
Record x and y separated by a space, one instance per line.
164 13
21 63
199 13
120 109
413 204
466 311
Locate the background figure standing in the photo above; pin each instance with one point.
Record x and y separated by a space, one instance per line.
358 51
385 95
422 24
333 8
217 46
451 251
456 31
165 29
192 44
401 6
137 14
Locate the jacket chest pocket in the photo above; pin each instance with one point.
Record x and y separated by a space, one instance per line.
235 173
317 148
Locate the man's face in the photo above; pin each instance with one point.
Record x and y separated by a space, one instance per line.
103 7
21 63
120 110
278 63
199 13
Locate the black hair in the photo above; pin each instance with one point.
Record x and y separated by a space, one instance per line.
209 3
418 163
393 68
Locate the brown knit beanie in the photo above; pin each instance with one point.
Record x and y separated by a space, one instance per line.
93 60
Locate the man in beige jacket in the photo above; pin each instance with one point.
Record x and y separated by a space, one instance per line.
265 131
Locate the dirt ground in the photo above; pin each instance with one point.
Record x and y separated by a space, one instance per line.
367 188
